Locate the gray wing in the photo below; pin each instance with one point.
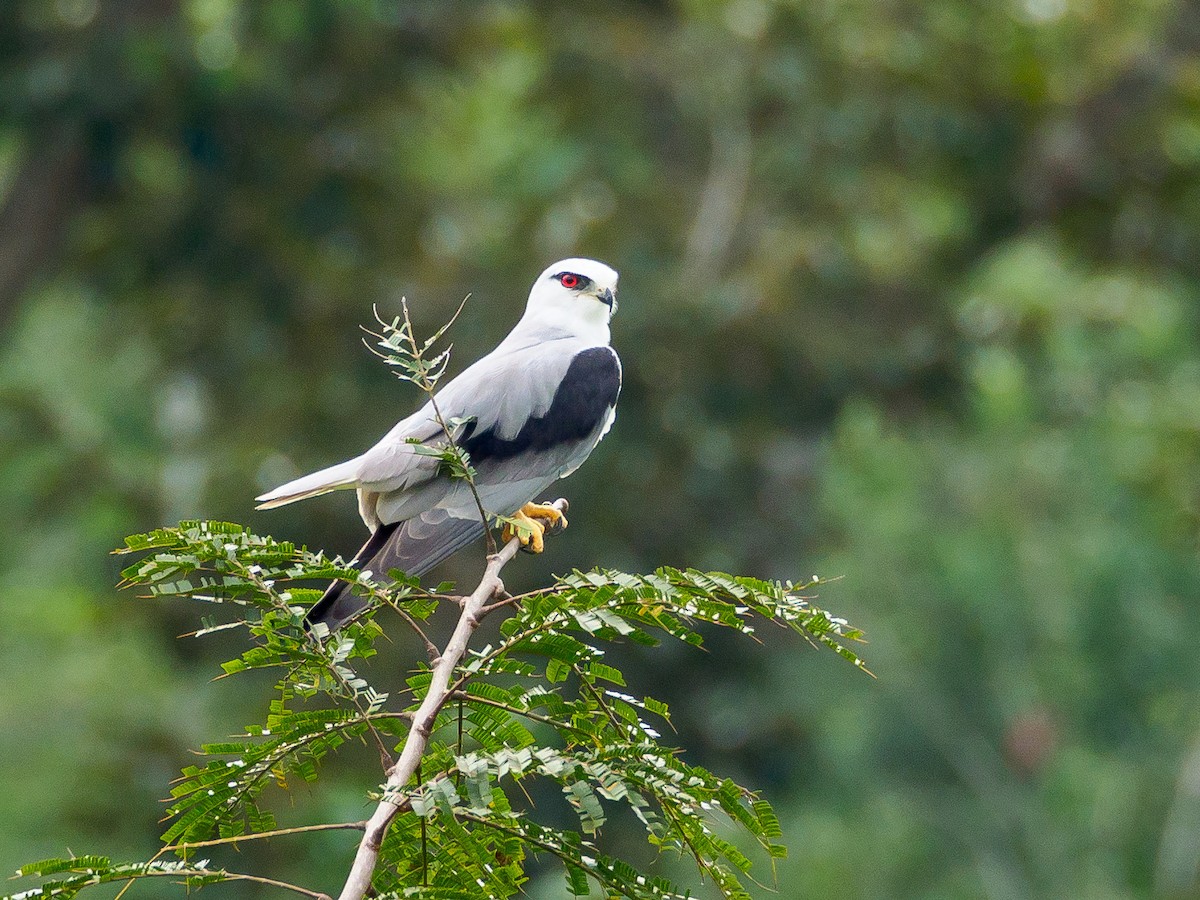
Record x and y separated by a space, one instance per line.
498 394
515 461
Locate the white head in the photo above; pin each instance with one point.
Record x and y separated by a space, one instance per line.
575 295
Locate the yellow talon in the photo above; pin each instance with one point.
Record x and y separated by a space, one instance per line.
532 533
545 511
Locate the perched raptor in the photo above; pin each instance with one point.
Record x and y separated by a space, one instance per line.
528 413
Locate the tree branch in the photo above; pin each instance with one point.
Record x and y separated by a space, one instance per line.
358 882
186 846
463 696
222 874
430 648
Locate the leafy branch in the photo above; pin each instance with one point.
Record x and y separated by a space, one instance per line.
358 882
479 731
540 704
416 362
88 871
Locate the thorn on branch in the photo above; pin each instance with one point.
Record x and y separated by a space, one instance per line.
506 599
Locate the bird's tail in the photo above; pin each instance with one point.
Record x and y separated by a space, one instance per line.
414 547
343 475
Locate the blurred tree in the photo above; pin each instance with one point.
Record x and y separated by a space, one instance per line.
1047 534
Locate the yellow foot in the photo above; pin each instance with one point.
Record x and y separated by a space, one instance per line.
535 519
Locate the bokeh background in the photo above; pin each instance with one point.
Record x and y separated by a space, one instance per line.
909 297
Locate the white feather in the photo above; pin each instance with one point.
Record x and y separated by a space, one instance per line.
343 475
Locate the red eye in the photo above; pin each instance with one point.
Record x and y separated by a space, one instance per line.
568 280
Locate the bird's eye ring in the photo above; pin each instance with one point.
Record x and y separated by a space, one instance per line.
568 280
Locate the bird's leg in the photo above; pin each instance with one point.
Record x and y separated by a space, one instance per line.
535 519
554 515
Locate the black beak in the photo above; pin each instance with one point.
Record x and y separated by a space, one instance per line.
608 298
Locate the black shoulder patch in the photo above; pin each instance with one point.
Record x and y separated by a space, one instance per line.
587 392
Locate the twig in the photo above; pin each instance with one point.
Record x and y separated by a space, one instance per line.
430 648
426 378
613 718
451 443
271 882
393 801
226 875
506 601
182 849
517 711
548 623
185 846
385 755
542 845
267 587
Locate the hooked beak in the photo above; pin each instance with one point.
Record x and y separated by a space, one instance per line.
608 298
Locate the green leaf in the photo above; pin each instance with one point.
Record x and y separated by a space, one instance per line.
519 715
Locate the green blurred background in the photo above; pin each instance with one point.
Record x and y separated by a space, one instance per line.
909 296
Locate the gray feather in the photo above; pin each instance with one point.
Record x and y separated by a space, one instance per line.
414 547
500 393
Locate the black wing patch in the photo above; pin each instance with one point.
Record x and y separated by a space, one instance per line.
587 392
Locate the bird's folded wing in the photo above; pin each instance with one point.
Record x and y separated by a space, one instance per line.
499 394
552 442
515 460
528 410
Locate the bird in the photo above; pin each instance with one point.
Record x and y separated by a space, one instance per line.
527 414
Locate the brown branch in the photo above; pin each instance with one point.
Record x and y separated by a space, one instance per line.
185 846
430 648
182 849
226 875
358 882
255 879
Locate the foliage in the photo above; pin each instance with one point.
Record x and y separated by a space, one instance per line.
1051 524
470 714
541 703
892 277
